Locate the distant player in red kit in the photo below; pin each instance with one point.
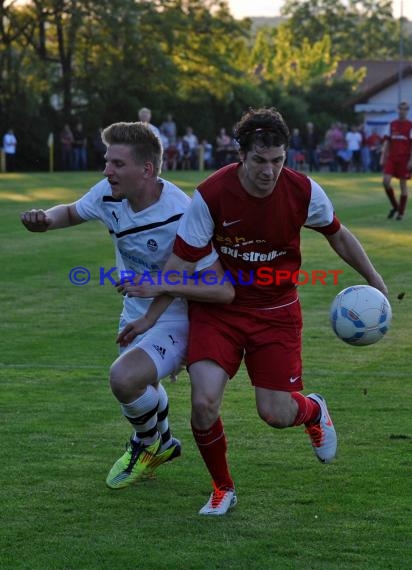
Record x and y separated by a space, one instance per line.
396 159
252 213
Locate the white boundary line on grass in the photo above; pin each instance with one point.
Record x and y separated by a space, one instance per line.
55 366
307 373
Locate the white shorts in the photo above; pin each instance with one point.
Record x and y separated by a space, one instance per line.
164 343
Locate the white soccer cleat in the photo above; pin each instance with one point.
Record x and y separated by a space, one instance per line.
220 501
322 434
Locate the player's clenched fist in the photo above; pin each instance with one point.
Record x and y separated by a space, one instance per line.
35 220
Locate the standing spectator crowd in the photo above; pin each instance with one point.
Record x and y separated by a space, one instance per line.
341 148
181 151
188 152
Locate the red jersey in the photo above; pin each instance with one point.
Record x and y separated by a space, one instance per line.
400 138
255 238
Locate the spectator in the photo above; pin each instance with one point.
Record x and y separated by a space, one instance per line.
310 147
66 144
295 149
164 140
145 116
168 129
99 150
374 143
335 139
171 157
79 148
224 148
10 147
193 144
344 158
365 155
184 154
354 145
207 150
326 157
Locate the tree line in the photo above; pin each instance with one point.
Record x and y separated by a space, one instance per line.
99 61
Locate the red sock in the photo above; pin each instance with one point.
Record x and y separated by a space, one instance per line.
212 447
391 195
308 410
402 204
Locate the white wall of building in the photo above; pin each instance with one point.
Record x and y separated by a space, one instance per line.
381 108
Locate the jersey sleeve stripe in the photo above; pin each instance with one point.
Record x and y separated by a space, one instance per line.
328 230
189 252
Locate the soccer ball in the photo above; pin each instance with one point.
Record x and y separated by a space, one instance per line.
360 315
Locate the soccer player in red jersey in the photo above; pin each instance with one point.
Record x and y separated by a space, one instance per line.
252 213
396 159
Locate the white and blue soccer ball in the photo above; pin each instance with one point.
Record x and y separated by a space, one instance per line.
360 315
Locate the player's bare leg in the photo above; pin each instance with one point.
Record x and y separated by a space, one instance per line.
283 409
387 179
208 382
403 199
133 380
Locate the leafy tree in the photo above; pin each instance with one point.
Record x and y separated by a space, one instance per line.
328 103
100 60
359 29
278 59
15 61
24 87
120 64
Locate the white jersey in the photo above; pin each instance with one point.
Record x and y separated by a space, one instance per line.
143 240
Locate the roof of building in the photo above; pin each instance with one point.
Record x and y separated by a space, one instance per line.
379 75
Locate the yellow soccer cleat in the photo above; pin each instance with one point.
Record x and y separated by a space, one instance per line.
132 465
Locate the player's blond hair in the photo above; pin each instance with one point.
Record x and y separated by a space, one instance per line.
145 144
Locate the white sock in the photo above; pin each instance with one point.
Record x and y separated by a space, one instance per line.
142 414
162 418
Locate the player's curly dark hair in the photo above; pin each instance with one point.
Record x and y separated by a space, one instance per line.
264 127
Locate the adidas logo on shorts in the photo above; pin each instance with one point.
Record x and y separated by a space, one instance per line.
160 349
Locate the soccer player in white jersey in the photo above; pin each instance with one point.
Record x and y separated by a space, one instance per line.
141 211
252 213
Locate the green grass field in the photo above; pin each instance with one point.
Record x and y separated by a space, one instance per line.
61 428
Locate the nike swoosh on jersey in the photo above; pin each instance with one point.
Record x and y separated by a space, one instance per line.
293 379
226 224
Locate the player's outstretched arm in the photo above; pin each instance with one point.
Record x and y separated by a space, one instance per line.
218 289
348 247
57 217
384 152
178 279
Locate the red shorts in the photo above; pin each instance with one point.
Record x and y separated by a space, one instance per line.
270 341
397 166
